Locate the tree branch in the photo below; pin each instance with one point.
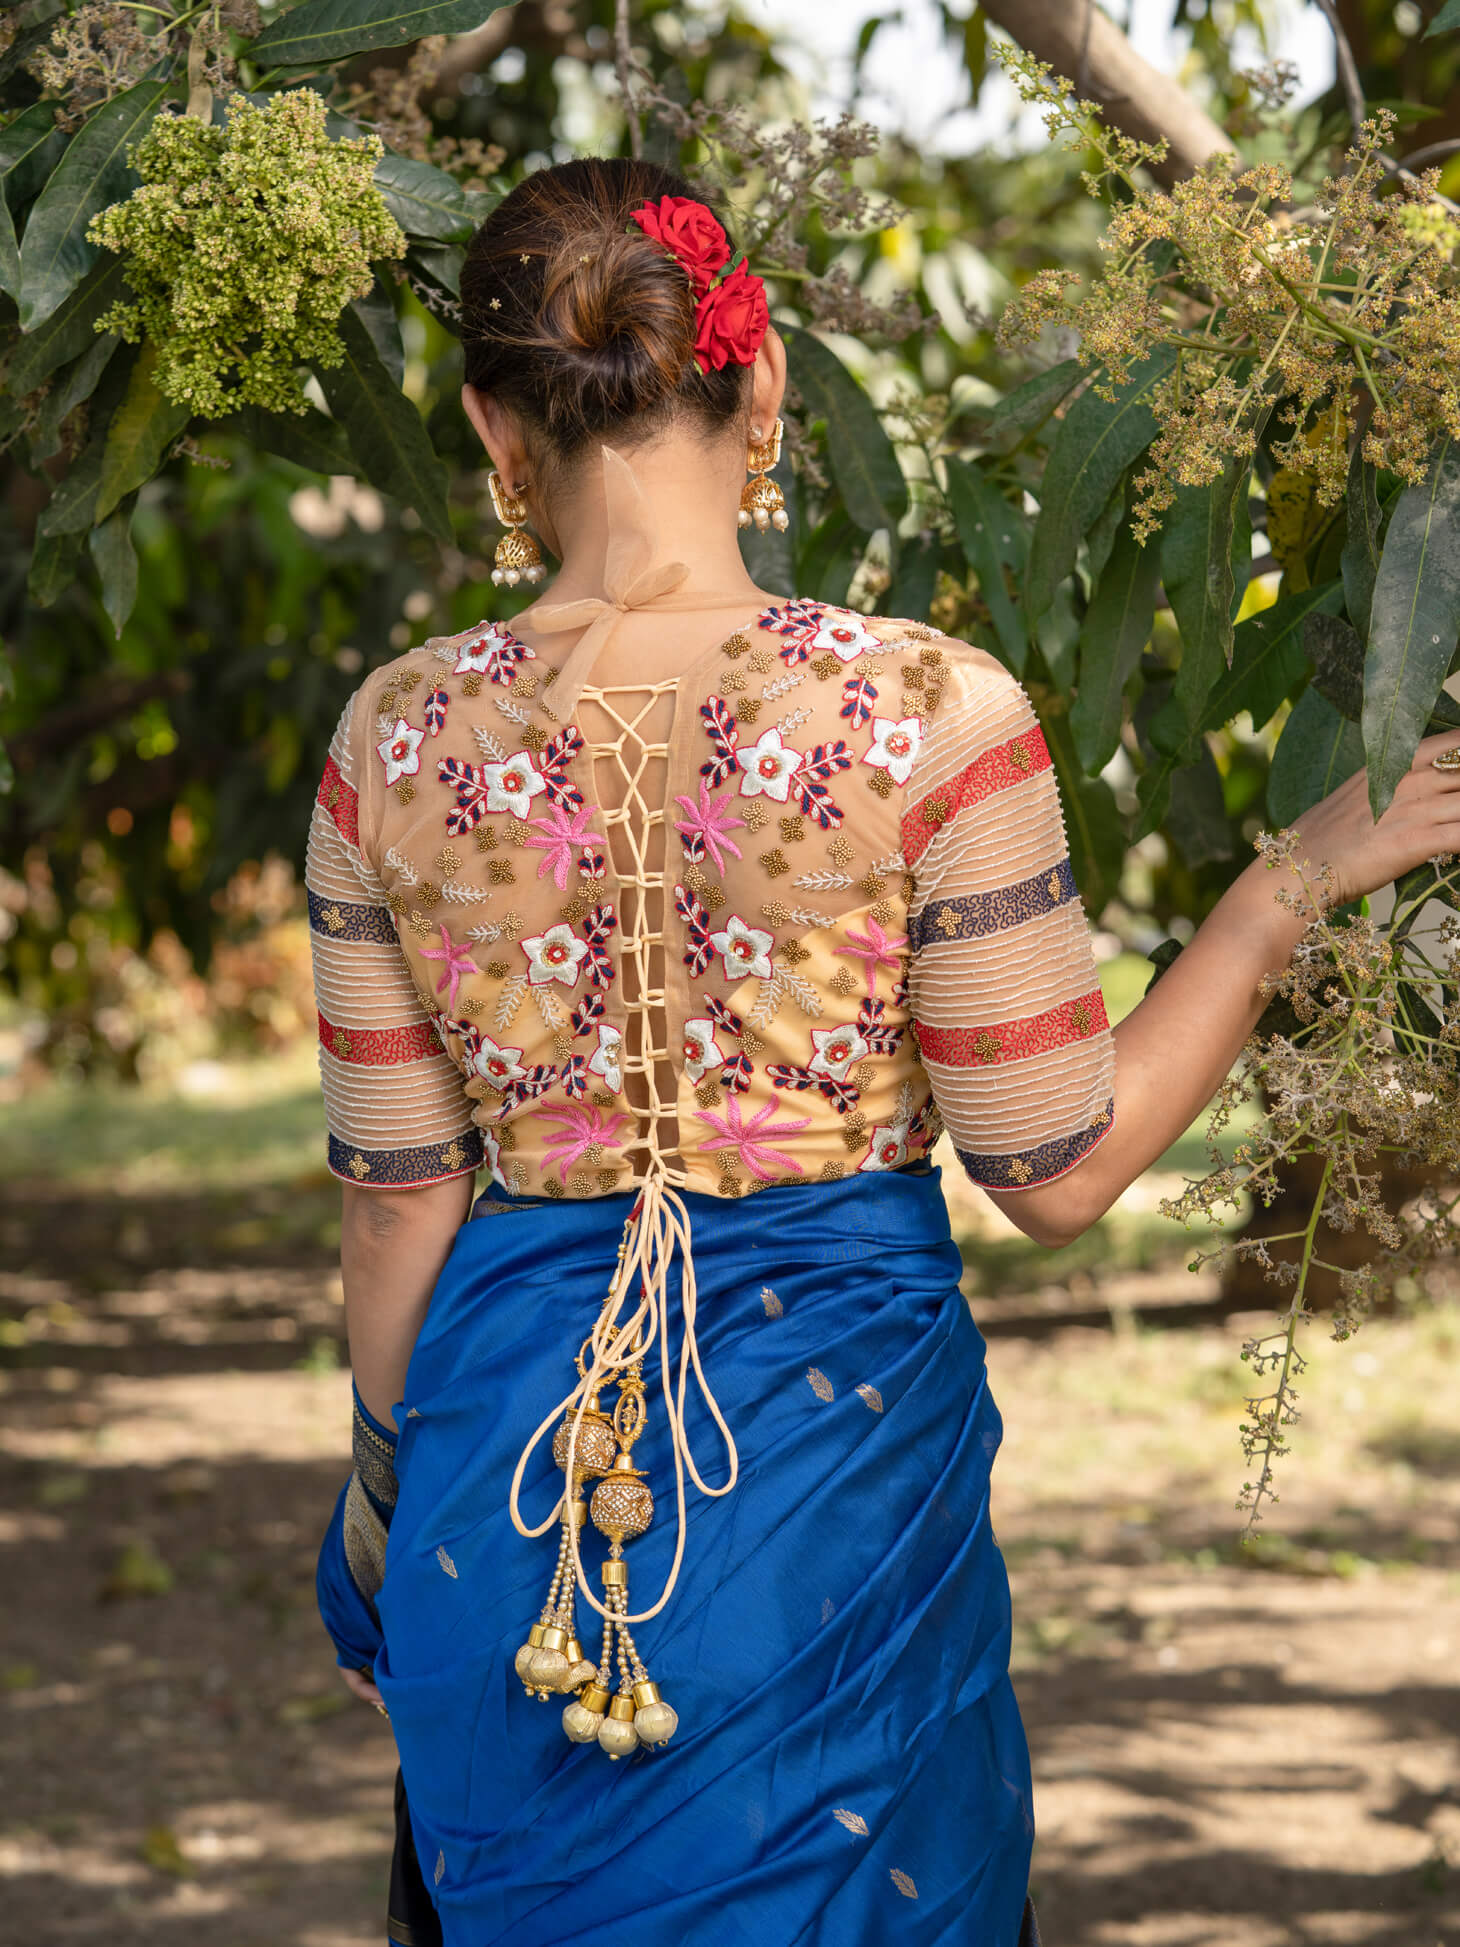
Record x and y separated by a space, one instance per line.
1078 40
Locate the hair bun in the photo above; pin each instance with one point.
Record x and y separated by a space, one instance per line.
580 323
619 313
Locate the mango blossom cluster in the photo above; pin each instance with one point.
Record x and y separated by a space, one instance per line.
243 244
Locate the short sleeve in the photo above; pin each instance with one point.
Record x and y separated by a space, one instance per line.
394 1105
1003 988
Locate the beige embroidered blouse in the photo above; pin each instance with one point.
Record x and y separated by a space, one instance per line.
776 920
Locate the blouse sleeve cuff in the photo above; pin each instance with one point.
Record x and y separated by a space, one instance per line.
1025 1169
397 1169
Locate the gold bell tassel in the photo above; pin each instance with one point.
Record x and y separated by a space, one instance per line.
622 1506
762 504
518 556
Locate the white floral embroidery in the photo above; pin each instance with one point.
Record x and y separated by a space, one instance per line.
895 745
767 766
836 1051
607 1061
701 1050
497 1064
746 950
400 751
846 635
513 784
554 955
494 1158
887 1149
481 654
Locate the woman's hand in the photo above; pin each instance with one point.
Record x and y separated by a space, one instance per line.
362 1683
1421 821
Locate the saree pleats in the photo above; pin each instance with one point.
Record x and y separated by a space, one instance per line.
850 1766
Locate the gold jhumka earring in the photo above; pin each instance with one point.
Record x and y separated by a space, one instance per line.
762 504
617 1718
518 556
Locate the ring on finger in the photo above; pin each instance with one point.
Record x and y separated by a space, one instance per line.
1447 760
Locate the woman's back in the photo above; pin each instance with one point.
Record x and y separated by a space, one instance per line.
685 924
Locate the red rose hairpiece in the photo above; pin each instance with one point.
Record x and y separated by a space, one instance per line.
731 314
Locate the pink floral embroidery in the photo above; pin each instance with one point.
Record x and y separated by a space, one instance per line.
751 1140
705 826
563 833
459 963
579 1129
875 949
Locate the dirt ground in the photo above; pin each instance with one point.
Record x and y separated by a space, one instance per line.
1231 1750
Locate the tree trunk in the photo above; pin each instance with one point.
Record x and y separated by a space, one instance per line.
1081 42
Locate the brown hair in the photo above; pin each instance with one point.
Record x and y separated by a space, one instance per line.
578 322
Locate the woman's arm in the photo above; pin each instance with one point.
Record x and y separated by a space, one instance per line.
393 1244
1173 1050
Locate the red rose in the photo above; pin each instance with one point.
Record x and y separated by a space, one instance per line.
731 321
690 232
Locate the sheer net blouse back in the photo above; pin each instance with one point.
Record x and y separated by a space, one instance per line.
648 887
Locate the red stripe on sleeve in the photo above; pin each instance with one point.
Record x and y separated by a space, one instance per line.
341 801
1006 1041
379 1047
994 770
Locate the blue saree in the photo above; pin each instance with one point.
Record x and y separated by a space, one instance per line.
850 1766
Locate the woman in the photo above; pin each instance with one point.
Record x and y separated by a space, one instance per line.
695 912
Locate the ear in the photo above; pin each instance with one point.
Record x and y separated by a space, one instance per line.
768 381
500 433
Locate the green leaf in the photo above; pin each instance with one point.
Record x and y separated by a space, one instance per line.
1316 752
78 382
863 463
94 171
1196 820
1414 621
1333 646
440 263
311 439
30 147
384 428
327 30
1447 18
1093 822
913 586
116 562
1196 567
1117 627
1268 663
142 428
1095 444
377 312
992 535
1414 1020
53 564
1360 558
1031 403
828 560
424 200
67 331
1101 537
9 252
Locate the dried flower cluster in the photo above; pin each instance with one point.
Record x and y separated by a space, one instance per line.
391 105
1356 1060
103 48
782 178
243 244
1347 314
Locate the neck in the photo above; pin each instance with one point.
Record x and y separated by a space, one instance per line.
691 493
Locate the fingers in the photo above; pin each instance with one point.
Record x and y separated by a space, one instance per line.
362 1685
